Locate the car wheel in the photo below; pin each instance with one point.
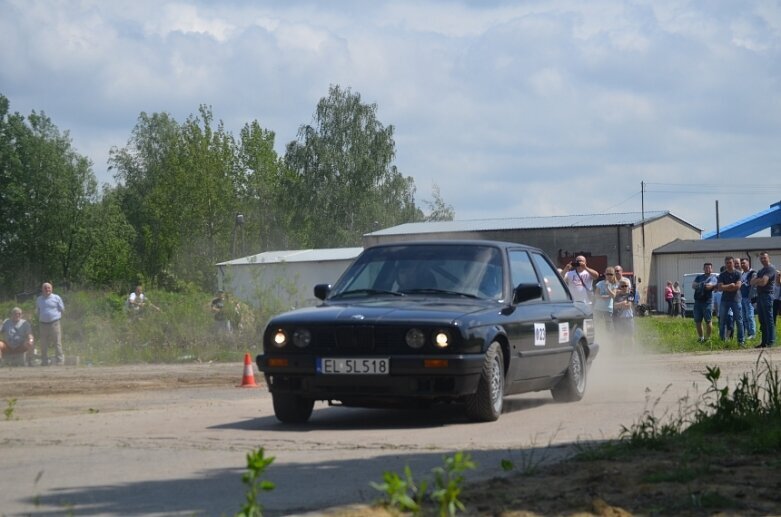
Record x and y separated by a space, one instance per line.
292 409
485 405
573 386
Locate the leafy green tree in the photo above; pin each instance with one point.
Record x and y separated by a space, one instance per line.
178 186
439 210
139 170
45 203
343 182
260 181
112 261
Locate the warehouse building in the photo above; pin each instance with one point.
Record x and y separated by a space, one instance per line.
679 258
604 239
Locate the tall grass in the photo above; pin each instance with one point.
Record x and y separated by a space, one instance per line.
99 330
672 335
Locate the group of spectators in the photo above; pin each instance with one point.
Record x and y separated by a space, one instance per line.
735 295
676 301
17 342
612 297
16 336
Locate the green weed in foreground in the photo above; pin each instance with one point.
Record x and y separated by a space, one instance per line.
406 495
750 411
253 478
9 409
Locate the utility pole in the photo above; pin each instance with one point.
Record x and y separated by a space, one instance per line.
642 231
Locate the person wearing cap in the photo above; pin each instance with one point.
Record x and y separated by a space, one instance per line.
16 338
580 279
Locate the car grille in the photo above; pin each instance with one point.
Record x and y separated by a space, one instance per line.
358 338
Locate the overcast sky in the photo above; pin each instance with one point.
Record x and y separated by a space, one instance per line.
513 109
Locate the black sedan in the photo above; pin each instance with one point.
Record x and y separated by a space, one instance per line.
416 323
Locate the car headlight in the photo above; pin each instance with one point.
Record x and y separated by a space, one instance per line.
302 338
441 339
280 338
415 338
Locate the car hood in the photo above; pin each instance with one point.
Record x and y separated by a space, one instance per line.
409 310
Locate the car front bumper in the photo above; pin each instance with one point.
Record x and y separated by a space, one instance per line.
451 376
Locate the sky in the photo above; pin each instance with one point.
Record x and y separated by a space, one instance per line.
510 108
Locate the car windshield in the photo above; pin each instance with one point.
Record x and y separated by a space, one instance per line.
448 269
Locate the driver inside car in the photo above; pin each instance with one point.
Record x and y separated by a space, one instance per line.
410 275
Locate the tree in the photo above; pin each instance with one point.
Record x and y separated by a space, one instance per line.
178 187
48 192
343 182
260 183
438 209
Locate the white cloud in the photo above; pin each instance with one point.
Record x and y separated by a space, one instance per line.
532 108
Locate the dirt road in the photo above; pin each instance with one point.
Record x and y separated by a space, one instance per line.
172 439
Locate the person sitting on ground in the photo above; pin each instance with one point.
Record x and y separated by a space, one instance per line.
16 338
137 301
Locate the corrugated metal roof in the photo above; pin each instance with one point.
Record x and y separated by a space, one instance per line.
526 223
716 245
311 255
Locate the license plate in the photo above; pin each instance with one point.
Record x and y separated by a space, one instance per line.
353 366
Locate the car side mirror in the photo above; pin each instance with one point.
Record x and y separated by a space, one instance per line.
525 292
322 291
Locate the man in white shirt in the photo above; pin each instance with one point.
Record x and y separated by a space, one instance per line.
50 308
580 279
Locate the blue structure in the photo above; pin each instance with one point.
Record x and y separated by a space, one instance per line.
770 218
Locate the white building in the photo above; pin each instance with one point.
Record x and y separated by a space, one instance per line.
284 278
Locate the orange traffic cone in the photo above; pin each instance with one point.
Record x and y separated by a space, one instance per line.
248 381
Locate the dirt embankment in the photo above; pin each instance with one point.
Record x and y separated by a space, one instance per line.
64 380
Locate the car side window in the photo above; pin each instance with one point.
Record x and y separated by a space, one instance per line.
552 280
521 269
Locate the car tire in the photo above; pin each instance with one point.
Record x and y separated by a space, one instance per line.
485 405
292 409
573 386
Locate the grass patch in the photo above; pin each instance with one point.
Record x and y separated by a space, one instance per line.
97 328
675 335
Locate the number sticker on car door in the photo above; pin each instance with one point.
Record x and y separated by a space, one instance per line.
539 334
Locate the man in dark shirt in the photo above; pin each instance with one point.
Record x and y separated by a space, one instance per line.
764 281
704 286
729 285
748 296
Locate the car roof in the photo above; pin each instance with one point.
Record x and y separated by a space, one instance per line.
458 242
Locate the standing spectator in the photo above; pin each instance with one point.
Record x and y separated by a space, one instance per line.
668 297
703 286
776 299
677 300
717 298
580 279
222 322
729 285
624 323
604 292
50 308
748 297
620 276
16 338
764 281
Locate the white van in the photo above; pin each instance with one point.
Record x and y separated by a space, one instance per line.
688 292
